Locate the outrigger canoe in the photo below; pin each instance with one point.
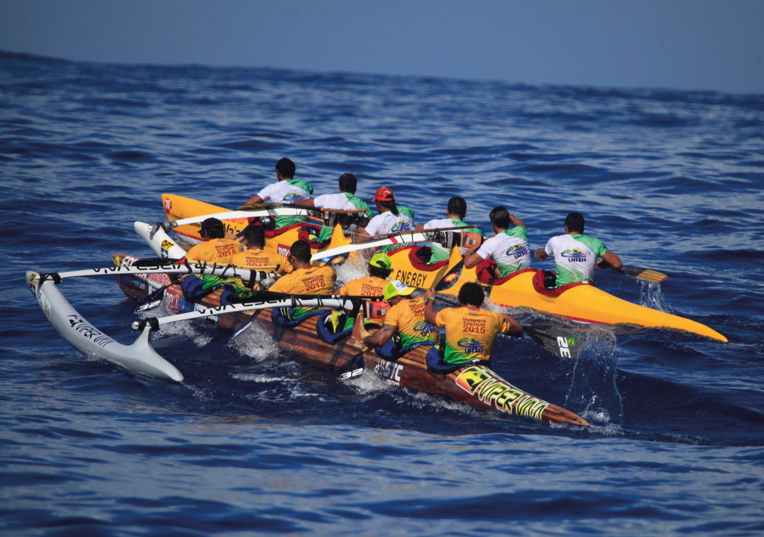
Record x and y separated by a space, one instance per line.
475 383
408 262
579 301
523 289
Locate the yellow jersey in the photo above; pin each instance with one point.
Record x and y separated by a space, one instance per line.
407 317
368 286
254 258
215 251
470 334
307 281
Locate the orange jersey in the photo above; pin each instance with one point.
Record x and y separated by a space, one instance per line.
407 316
307 281
470 334
255 258
368 286
215 251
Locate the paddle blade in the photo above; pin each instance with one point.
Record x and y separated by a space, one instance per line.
560 340
352 368
643 274
151 301
450 278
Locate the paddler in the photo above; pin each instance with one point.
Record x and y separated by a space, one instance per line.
575 254
345 200
372 285
470 330
286 190
455 213
388 220
215 249
256 257
305 279
405 319
508 248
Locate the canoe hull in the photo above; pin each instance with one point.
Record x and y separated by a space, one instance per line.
582 303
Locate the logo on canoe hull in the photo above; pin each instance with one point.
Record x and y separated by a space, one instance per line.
498 393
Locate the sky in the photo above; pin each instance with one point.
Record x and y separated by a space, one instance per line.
715 45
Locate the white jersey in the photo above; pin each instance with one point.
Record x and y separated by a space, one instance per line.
575 257
341 202
440 253
509 249
284 192
387 222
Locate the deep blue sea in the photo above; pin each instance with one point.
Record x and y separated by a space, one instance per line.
257 441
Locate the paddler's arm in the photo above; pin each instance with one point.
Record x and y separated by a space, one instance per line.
610 260
362 236
306 202
380 337
472 260
515 328
541 254
516 221
254 199
429 307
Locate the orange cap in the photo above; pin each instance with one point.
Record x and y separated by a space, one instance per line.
383 194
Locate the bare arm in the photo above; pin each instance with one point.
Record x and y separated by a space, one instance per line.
429 307
610 260
541 254
472 260
516 330
362 236
516 221
380 337
306 202
254 199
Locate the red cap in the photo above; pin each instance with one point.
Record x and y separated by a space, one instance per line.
383 194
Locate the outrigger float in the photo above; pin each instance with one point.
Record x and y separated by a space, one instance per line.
418 368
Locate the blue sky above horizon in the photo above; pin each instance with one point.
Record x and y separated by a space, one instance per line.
678 44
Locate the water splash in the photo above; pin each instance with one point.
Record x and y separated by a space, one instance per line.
593 389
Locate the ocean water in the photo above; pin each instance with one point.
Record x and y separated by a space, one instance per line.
257 441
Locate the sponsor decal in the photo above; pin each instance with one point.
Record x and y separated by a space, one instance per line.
167 204
283 249
225 250
89 331
470 345
473 326
389 371
411 279
424 328
564 344
166 246
576 255
313 283
499 394
517 251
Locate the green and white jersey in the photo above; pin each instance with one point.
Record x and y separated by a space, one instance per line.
342 201
509 249
575 256
288 191
440 253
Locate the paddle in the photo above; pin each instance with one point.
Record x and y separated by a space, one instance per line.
146 267
448 237
643 274
354 366
269 295
257 211
554 336
155 323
